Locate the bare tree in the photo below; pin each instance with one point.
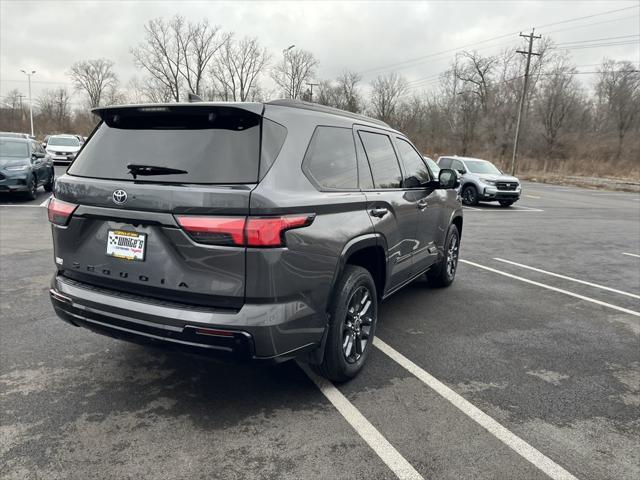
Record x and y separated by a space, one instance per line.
475 74
618 91
295 70
328 94
13 103
54 108
199 43
350 98
161 54
148 90
96 78
237 68
386 91
556 97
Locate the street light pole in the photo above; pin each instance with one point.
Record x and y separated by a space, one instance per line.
285 54
28 74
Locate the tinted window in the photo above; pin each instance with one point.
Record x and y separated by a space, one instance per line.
364 171
64 141
218 145
415 171
331 158
433 166
273 135
457 165
444 162
382 158
13 149
477 166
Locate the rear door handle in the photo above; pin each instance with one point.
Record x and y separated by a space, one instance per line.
422 204
378 212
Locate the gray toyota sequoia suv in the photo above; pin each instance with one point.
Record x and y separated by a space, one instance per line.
262 231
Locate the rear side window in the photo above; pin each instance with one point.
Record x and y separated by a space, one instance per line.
210 145
444 162
273 136
382 159
330 161
457 165
416 172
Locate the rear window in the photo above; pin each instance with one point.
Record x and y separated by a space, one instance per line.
209 146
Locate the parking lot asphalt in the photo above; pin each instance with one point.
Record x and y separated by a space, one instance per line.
527 367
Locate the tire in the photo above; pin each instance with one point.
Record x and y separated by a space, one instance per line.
506 203
343 360
32 187
470 195
444 273
48 187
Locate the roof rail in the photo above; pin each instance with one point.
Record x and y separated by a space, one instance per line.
288 102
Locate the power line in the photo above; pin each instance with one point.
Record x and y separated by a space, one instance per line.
587 16
424 57
598 39
598 45
611 20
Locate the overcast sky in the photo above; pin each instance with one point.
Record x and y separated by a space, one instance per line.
368 37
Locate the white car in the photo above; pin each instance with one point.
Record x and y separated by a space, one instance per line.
63 148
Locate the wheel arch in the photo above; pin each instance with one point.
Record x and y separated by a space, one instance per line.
367 251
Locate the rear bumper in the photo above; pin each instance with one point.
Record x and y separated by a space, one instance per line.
277 331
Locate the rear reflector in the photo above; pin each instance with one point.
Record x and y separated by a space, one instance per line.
214 332
60 212
242 231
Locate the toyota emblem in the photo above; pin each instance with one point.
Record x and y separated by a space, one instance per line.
119 197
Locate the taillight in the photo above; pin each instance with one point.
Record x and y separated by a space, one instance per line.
269 231
242 231
60 212
214 230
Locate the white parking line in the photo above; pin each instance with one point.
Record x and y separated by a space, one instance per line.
631 254
387 452
511 440
559 290
18 205
633 295
519 208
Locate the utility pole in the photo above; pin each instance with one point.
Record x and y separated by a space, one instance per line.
311 85
28 74
528 53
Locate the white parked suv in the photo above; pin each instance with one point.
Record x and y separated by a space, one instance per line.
482 181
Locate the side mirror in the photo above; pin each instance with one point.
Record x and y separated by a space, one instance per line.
448 178
37 155
462 171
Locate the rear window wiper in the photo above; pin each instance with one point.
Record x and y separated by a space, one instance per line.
136 169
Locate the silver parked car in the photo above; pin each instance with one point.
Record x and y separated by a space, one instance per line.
63 148
482 181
